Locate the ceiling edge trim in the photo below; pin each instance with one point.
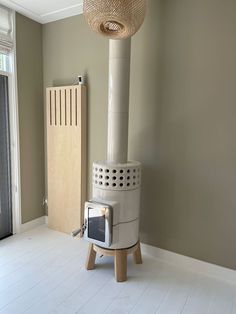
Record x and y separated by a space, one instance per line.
46 18
62 13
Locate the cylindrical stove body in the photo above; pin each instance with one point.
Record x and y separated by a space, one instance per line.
119 186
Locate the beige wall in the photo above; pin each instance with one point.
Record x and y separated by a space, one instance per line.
183 117
30 97
196 206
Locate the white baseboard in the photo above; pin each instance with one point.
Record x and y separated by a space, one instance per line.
32 224
191 264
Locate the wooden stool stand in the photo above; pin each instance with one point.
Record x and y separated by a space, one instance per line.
120 258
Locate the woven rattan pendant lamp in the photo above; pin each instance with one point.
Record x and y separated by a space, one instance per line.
116 19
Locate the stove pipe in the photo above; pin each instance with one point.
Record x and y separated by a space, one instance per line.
118 100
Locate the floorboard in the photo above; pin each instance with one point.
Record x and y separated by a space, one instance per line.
42 271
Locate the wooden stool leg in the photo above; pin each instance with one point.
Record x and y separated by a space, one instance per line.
137 255
120 265
90 263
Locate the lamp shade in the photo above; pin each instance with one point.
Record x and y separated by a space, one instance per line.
115 19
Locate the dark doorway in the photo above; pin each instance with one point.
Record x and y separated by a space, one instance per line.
5 162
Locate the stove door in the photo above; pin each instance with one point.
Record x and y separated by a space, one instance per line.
98 222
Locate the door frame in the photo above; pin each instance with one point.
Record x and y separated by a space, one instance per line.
14 140
14 152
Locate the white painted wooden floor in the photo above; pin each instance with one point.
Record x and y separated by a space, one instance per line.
42 271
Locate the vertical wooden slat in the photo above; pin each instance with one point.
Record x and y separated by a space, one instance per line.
63 116
73 98
71 110
57 107
79 107
60 107
50 95
52 107
76 106
48 107
67 106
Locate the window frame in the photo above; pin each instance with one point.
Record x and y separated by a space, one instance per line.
8 65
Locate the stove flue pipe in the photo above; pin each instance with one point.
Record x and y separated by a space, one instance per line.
118 100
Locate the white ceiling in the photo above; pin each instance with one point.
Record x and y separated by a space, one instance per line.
44 11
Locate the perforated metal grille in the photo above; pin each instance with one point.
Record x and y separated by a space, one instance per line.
115 19
117 177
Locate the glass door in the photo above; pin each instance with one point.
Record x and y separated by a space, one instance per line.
5 162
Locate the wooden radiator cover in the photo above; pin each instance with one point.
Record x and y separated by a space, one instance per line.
66 156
